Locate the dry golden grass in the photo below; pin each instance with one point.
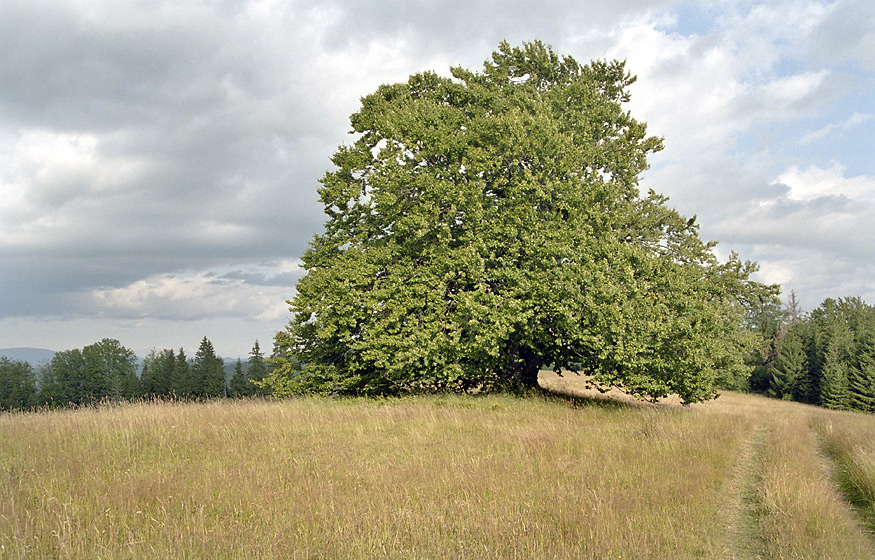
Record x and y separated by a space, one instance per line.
850 443
452 477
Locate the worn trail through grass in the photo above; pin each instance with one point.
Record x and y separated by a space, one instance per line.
743 536
804 481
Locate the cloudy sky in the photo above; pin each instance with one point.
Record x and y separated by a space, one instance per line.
159 159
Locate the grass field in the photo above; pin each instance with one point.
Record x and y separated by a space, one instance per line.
439 477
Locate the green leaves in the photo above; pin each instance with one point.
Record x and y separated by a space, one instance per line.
488 225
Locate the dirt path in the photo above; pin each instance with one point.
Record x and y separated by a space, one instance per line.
743 505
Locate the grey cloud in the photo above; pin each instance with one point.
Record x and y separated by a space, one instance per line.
846 35
454 27
830 225
263 279
213 121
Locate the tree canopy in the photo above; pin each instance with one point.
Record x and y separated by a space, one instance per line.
486 225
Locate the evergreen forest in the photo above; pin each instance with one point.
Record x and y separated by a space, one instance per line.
825 357
107 371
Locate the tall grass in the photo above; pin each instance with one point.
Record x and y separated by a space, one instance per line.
801 513
848 439
412 478
453 477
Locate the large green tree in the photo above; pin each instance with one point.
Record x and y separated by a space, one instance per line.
861 376
239 385
488 225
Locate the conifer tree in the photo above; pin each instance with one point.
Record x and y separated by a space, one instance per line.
834 392
130 388
256 370
788 370
239 385
861 376
208 371
182 385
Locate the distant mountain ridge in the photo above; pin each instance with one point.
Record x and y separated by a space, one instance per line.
33 356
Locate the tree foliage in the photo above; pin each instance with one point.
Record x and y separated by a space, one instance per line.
826 357
487 225
17 385
788 368
256 370
239 385
103 370
207 372
110 369
158 372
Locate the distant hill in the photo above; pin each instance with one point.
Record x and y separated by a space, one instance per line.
33 356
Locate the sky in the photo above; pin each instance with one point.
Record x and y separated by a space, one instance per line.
159 160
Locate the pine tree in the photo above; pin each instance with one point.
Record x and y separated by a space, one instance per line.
861 376
256 371
131 388
209 372
834 392
788 369
147 385
239 385
164 379
181 385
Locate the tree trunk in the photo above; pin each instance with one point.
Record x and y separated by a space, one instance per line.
526 374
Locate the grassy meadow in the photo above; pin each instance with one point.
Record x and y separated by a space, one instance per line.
439 477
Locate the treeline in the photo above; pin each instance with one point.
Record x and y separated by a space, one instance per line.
826 357
106 370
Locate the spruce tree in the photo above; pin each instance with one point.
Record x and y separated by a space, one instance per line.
861 376
834 391
239 385
788 370
182 385
208 370
256 370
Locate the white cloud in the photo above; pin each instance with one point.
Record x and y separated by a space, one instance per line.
785 91
257 292
813 182
854 120
704 92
